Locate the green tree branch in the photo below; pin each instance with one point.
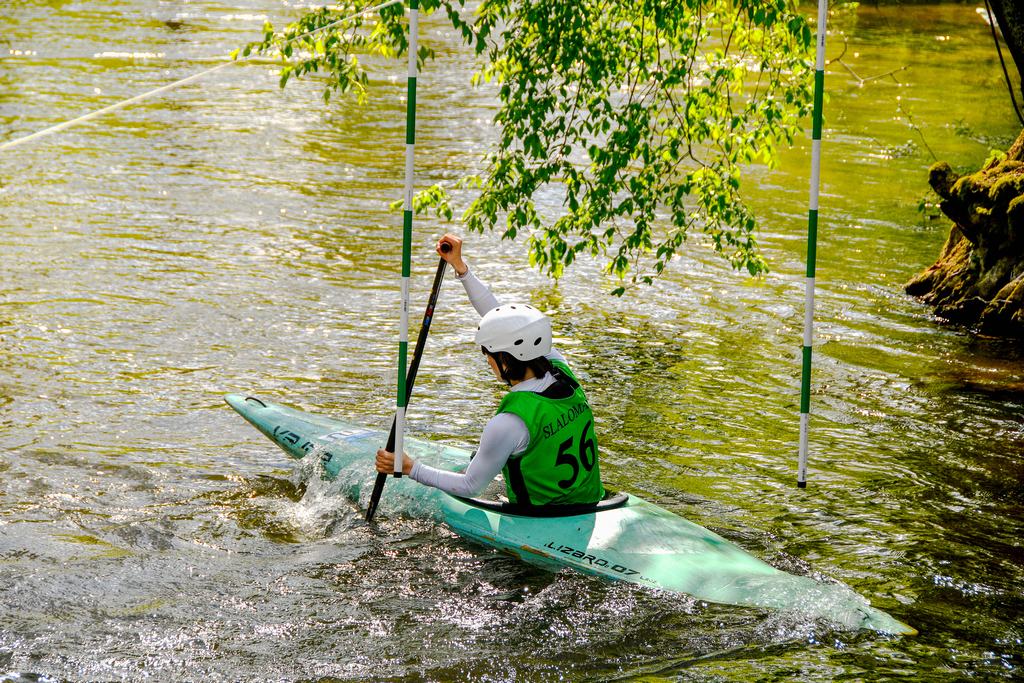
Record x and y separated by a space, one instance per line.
640 115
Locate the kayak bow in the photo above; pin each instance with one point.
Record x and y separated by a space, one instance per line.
637 542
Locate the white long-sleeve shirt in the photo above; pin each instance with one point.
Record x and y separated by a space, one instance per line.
504 435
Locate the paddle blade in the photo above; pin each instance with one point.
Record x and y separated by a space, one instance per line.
378 488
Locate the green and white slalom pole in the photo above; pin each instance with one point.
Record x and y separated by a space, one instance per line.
402 397
410 149
812 244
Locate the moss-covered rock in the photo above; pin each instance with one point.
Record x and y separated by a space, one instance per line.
978 279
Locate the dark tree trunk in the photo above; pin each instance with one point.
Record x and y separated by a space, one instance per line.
1010 17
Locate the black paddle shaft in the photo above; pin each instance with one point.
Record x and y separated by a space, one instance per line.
410 378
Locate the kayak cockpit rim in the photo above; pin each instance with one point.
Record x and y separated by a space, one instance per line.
610 502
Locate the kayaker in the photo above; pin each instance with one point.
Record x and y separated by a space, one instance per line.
542 438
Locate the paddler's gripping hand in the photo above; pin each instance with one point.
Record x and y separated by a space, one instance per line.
454 254
386 463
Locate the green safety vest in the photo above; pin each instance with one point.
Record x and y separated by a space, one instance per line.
559 466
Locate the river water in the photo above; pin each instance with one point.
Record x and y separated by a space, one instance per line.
230 236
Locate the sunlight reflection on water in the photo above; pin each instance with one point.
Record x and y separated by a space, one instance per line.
231 237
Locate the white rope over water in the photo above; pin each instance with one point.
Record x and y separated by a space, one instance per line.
170 86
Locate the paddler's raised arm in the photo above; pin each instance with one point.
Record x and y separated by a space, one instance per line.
479 294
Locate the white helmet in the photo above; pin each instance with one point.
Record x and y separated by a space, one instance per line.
519 329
